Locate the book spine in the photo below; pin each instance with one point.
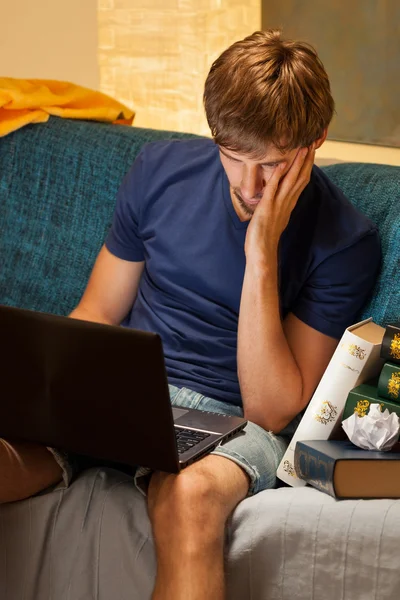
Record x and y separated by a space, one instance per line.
390 349
389 382
360 404
315 468
354 361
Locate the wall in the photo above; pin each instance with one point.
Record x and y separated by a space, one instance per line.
50 39
360 49
369 153
154 55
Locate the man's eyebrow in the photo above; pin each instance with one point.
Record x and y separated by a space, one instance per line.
278 161
266 164
227 155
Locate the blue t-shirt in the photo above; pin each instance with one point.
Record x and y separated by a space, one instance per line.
174 211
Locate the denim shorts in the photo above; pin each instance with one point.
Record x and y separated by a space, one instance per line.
257 451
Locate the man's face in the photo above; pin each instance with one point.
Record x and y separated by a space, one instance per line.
248 177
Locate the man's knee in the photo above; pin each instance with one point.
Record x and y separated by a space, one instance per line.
180 494
206 491
185 511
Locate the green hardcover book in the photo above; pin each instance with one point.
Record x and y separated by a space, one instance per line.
390 349
389 382
361 397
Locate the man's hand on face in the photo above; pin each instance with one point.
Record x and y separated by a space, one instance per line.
272 214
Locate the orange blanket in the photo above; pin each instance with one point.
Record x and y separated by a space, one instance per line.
24 101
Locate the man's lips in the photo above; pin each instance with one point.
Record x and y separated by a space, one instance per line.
252 201
245 200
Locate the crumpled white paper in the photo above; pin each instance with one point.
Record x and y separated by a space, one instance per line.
374 431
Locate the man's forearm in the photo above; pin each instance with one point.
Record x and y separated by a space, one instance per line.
25 469
82 314
270 381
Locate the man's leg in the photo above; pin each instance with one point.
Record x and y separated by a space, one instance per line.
25 469
188 513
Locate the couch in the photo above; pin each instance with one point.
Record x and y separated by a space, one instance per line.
93 540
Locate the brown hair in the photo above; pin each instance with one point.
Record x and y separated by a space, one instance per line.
265 90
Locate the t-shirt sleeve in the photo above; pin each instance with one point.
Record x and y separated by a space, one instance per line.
339 287
123 239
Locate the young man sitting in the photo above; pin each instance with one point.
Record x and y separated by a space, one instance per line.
250 264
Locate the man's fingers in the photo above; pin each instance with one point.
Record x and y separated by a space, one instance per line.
295 180
293 174
273 182
306 168
309 160
299 173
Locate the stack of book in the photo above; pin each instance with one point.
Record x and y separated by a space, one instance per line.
384 391
334 466
356 360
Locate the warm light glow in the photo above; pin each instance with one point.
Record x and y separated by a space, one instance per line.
154 55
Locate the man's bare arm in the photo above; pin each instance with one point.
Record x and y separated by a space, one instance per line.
25 469
279 364
111 290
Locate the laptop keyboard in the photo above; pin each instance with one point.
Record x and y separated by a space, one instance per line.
187 438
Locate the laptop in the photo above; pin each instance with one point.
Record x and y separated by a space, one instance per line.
98 390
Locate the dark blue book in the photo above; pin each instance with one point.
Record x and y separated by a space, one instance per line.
342 470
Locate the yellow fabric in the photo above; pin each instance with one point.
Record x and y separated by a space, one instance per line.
24 101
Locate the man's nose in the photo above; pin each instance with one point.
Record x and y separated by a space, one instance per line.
252 183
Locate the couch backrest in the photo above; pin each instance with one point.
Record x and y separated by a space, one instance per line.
375 190
58 183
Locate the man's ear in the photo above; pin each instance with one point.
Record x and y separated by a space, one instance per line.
318 143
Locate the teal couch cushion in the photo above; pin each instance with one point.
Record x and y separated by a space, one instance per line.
58 185
375 190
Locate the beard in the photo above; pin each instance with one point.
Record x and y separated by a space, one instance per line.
247 208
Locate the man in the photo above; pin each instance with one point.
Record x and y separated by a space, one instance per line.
250 264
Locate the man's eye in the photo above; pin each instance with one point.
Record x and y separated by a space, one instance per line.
270 166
